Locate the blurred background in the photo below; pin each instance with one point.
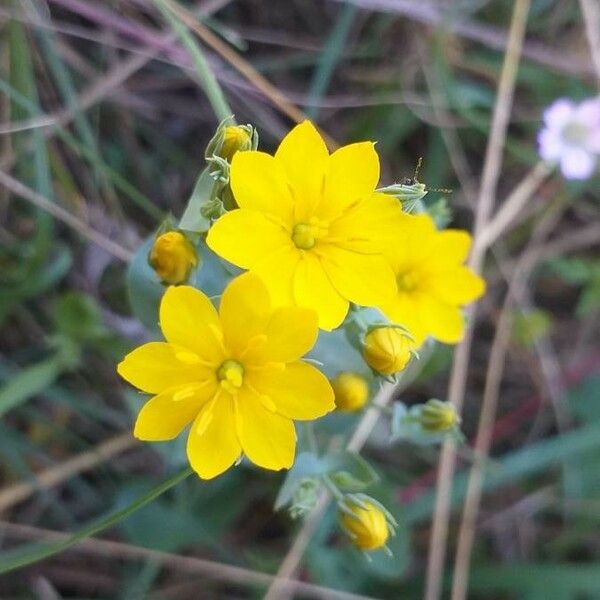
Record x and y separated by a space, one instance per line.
103 127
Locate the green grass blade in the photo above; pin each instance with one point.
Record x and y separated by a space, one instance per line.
11 560
208 81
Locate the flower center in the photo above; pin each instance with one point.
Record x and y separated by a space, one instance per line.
575 133
407 282
305 235
231 375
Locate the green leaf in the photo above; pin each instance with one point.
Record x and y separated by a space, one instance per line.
30 381
531 460
305 466
78 316
143 287
192 219
32 553
351 472
547 581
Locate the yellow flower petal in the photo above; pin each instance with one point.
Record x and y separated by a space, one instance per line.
353 174
164 416
258 182
277 272
213 445
244 237
361 278
300 391
451 246
403 310
290 333
456 286
268 439
313 289
154 368
245 311
189 319
444 322
304 158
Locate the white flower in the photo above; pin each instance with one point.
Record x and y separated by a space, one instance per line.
571 136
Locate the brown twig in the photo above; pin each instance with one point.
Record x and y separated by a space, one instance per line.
62 472
186 564
491 173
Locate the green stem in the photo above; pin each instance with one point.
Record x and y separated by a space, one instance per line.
335 492
208 81
47 550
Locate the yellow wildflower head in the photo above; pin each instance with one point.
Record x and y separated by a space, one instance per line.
437 416
366 524
236 375
432 283
173 257
387 349
311 225
351 391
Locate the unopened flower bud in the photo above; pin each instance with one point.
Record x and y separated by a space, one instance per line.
230 139
366 524
437 416
387 350
351 391
173 257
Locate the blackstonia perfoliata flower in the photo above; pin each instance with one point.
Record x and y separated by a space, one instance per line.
236 375
311 225
388 349
173 257
366 525
432 282
351 391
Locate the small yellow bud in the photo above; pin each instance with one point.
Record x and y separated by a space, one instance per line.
367 527
437 416
173 257
351 391
387 350
235 138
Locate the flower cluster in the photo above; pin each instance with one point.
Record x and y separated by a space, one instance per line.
571 137
323 250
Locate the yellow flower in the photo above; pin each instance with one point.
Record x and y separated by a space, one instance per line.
235 138
173 257
438 416
351 391
432 282
367 527
387 350
235 375
310 224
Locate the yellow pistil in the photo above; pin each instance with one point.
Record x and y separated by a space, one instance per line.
231 375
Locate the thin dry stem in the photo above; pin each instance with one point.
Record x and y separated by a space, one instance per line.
58 212
62 472
495 370
490 176
591 16
186 564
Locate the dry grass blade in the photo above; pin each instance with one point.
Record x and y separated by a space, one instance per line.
186 564
62 472
18 188
484 207
243 67
591 16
